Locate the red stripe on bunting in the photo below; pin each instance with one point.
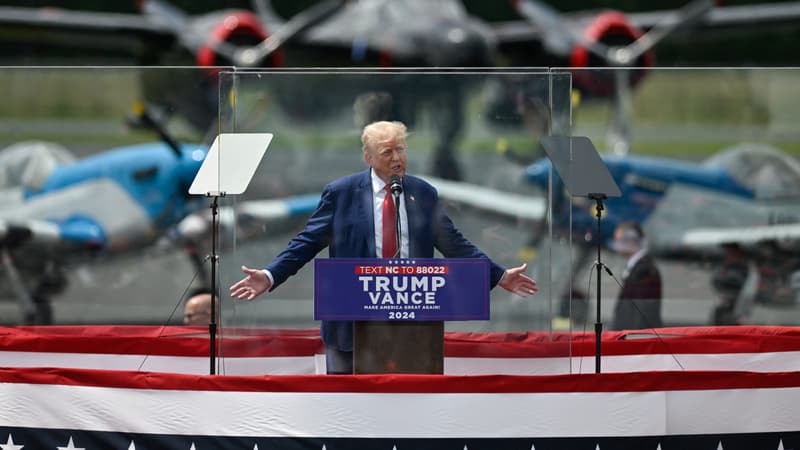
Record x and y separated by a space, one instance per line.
160 341
264 342
616 382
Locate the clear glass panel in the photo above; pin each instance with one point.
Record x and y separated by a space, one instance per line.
710 166
706 161
91 195
474 128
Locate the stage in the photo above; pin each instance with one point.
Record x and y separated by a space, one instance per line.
131 387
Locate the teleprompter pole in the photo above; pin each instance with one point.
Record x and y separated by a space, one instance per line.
598 325
212 323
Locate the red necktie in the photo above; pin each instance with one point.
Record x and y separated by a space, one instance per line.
389 232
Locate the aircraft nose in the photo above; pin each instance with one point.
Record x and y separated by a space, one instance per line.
456 45
538 173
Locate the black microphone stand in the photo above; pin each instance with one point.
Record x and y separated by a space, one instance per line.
397 227
598 325
396 188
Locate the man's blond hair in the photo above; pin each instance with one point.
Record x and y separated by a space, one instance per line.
381 132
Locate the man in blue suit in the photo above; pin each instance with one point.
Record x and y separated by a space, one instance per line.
348 221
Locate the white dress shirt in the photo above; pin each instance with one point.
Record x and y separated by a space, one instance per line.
378 195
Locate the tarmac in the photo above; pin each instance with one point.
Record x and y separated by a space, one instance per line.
148 287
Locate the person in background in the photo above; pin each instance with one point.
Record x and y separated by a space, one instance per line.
639 301
728 282
197 308
349 221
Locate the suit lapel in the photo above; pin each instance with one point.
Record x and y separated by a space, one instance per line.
412 214
365 212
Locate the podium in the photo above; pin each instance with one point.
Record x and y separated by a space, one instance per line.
398 347
399 307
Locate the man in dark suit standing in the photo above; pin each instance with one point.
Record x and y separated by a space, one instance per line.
639 300
349 221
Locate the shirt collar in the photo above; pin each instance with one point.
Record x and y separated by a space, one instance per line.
377 184
636 257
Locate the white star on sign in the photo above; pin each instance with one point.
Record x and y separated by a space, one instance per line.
9 445
132 446
70 446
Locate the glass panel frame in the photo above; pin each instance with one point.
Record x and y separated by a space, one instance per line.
493 104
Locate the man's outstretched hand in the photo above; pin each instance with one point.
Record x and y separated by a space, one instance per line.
254 284
514 280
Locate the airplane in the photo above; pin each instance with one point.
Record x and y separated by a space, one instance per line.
162 34
744 197
59 212
410 34
754 185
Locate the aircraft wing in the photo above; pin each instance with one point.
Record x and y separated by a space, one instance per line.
718 18
518 206
756 16
80 28
277 210
714 218
249 217
745 236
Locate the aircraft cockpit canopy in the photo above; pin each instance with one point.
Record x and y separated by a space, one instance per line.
28 164
770 173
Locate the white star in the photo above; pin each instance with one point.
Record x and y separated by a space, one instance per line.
192 447
132 446
9 445
255 447
719 446
780 445
71 446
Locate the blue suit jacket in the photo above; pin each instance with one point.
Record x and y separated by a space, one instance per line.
344 223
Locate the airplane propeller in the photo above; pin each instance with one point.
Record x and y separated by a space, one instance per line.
562 39
252 56
240 55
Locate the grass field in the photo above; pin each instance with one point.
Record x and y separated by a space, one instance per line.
675 112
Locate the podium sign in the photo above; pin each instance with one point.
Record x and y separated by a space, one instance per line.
418 289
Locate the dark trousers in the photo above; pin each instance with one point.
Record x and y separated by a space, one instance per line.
338 362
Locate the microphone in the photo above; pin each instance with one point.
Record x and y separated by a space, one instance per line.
396 184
